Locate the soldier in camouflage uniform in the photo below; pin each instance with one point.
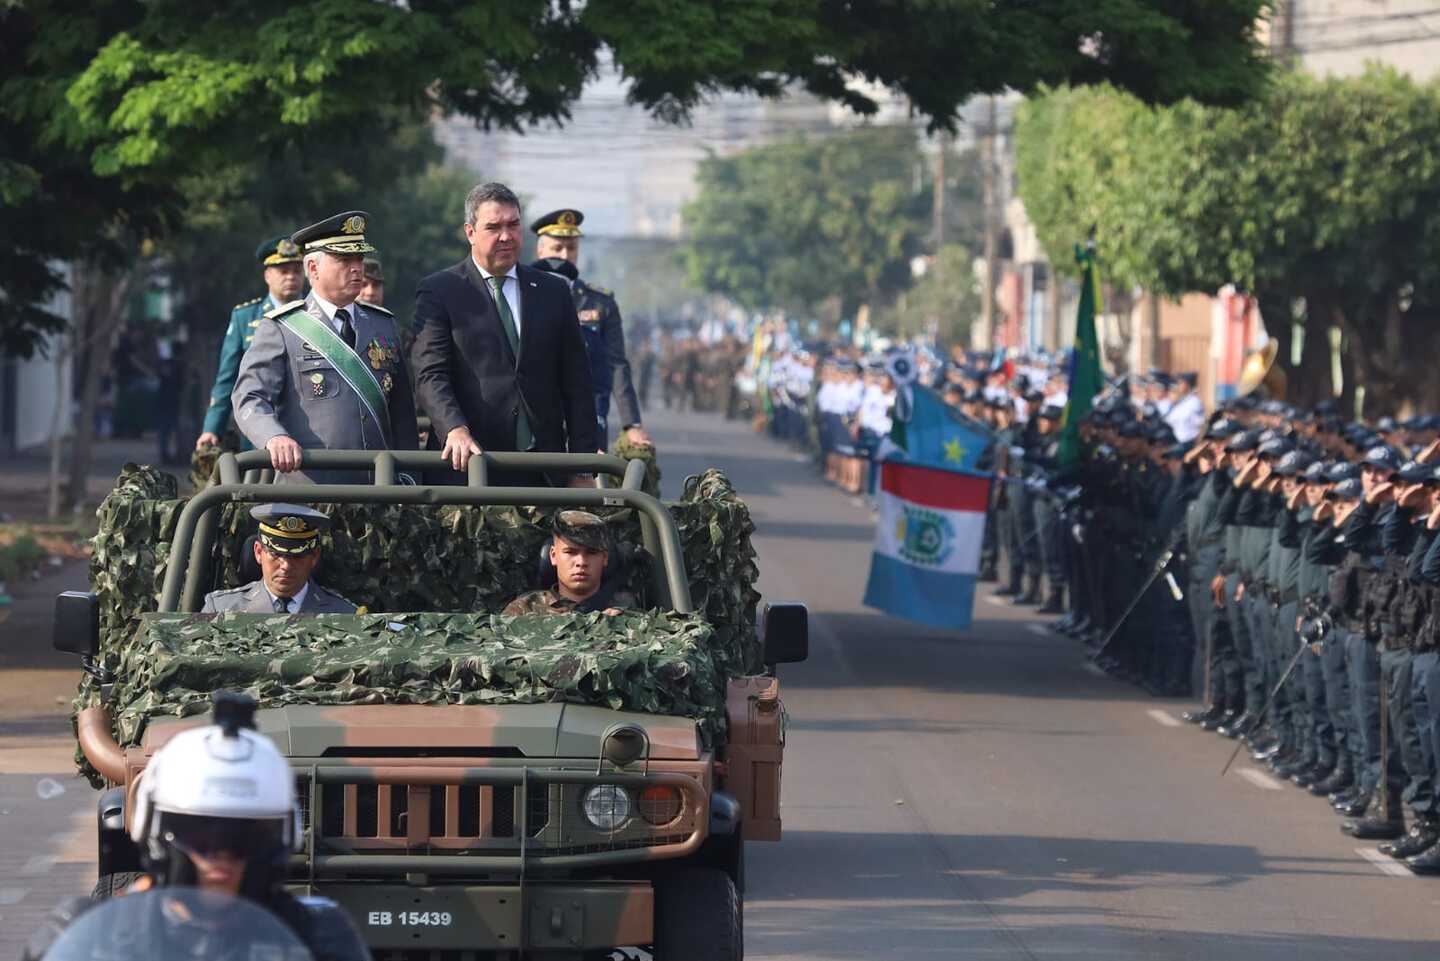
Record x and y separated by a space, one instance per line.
280 258
579 554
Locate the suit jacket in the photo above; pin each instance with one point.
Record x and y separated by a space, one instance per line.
285 386
253 598
466 374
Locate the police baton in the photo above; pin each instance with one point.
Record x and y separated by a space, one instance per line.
1290 669
1158 568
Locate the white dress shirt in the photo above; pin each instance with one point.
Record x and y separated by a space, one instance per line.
329 310
1187 418
511 290
295 603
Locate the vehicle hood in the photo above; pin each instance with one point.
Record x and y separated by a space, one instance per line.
403 730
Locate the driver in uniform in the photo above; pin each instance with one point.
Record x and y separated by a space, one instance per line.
216 811
579 552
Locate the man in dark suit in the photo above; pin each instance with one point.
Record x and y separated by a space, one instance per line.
499 358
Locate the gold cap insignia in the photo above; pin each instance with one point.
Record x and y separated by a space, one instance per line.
287 248
292 525
353 225
567 218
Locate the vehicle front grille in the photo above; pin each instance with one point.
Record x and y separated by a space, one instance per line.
476 818
357 812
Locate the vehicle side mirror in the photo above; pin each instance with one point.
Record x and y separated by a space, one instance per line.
77 623
785 632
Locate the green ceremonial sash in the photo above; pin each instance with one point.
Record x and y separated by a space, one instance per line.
321 336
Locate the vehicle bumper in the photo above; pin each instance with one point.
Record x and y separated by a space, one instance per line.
497 917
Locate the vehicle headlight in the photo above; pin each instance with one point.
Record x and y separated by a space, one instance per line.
606 806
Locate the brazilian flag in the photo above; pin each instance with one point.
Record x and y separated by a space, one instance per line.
1086 378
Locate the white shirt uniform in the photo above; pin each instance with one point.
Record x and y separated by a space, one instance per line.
1187 418
875 410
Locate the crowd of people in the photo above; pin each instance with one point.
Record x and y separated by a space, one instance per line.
1280 564
1283 564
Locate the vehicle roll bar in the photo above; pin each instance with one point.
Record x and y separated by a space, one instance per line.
194 540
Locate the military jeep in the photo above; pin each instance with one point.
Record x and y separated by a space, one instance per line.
551 830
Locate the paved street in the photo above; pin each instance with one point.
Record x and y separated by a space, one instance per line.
985 795
946 795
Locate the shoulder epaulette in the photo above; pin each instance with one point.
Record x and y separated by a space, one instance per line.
248 303
283 309
375 307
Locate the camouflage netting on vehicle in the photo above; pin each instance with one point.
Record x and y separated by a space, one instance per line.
652 662
402 558
624 449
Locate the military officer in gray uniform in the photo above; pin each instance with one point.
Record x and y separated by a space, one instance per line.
287 550
326 371
558 248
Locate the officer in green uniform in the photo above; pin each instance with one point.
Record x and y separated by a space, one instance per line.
280 258
558 250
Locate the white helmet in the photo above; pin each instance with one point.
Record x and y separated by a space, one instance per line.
217 787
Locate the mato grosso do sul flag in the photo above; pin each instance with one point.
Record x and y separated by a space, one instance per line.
927 544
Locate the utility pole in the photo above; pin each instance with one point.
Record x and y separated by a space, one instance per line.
943 324
984 337
937 204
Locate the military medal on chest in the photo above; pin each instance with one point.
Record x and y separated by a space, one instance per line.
317 384
381 355
387 383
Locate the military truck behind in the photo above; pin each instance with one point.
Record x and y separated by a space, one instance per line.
472 785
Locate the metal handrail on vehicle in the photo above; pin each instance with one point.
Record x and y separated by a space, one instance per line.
187 570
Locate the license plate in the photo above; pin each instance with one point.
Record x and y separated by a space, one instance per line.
409 919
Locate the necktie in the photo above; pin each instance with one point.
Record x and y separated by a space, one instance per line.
523 437
346 329
281 605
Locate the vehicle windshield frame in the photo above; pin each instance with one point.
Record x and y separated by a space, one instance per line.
246 478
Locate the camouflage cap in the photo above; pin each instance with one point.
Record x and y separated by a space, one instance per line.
582 529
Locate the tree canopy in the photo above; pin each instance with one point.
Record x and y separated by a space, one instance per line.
108 107
791 225
1324 193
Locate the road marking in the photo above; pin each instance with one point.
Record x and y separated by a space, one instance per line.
12 895
1040 629
997 601
1163 718
1259 779
1387 865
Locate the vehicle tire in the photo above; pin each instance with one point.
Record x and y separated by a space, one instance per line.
110 885
698 916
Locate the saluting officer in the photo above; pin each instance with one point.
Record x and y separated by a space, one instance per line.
280 258
287 550
558 247
326 371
